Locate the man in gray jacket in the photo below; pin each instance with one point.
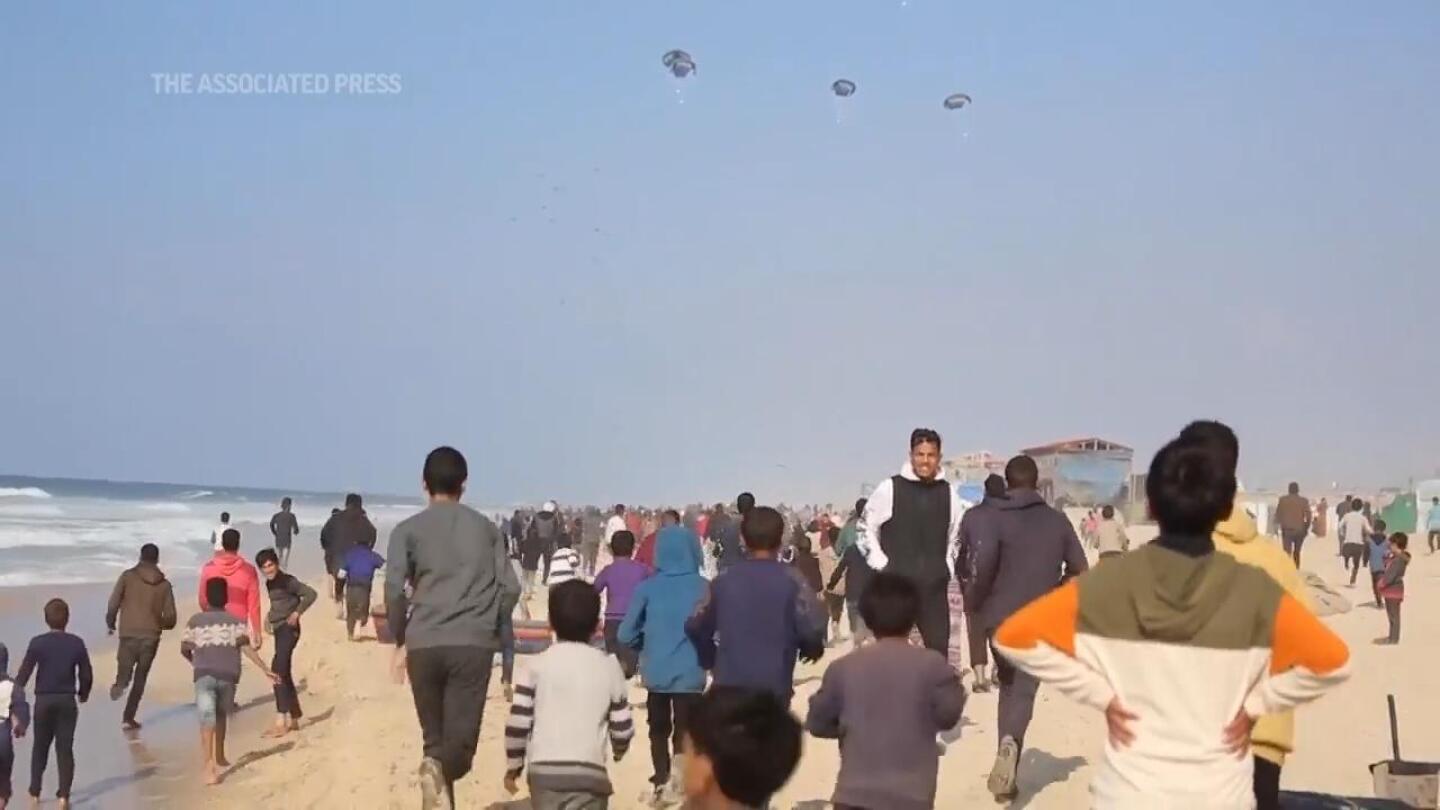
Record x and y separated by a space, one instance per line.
447 631
1033 548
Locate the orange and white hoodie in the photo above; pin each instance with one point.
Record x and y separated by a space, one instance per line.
1183 642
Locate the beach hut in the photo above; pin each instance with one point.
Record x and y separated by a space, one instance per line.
1083 472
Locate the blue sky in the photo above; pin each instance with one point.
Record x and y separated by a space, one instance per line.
1150 213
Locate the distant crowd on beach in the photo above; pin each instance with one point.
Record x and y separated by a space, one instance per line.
1196 647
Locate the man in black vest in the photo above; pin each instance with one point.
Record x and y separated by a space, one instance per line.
911 527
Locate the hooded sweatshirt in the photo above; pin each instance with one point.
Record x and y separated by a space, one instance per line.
912 527
352 528
1184 641
980 523
1033 549
242 587
14 709
655 620
1274 735
143 601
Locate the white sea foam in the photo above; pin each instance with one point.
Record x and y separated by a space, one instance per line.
197 494
23 492
31 510
166 507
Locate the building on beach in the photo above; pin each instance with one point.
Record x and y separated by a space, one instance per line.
1083 472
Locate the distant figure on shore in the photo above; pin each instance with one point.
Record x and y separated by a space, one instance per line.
1320 525
544 536
1180 647
1110 537
1392 584
284 527
1432 525
243 580
14 723
1035 549
725 532
219 532
455 560
352 528
1293 515
911 527
358 571
1355 528
332 559
289 598
61 666
213 642
143 602
1341 510
856 573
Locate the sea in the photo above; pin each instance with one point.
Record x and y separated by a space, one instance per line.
64 530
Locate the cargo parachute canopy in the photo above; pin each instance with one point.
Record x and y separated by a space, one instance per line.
955 101
678 63
844 88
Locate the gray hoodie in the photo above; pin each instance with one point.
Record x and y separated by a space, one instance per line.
1032 550
456 562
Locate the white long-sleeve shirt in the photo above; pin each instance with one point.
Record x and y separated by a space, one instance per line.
881 506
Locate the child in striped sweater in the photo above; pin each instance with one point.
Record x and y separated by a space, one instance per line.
567 703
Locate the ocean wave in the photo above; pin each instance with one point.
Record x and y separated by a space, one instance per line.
31 510
165 507
23 492
197 495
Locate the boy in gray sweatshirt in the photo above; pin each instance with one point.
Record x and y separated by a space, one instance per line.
886 703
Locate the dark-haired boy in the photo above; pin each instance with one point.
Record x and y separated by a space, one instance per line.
289 597
886 703
358 570
763 615
143 606
567 702
1392 583
1377 548
61 665
743 746
213 642
617 583
459 568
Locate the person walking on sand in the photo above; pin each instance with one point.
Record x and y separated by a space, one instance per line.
1320 524
14 722
284 527
911 527
289 598
1432 525
332 561
243 601
1273 738
448 632
1180 647
1110 537
1293 515
61 666
1033 551
143 604
352 528
213 642
218 533
979 522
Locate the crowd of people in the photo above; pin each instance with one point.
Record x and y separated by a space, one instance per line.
1195 646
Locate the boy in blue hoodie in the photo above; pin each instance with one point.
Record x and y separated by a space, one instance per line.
14 720
654 623
1377 545
358 567
763 615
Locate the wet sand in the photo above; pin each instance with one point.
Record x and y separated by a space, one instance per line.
158 765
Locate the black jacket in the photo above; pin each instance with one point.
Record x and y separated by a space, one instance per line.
1030 550
344 531
977 523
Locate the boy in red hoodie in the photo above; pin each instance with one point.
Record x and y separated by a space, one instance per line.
242 585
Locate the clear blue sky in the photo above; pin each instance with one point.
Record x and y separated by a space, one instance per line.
1149 213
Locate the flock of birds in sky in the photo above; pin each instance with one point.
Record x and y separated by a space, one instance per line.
681 65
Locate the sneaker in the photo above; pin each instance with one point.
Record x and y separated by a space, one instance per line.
1002 781
130 724
433 795
117 692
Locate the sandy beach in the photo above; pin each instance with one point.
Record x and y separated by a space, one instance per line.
361 742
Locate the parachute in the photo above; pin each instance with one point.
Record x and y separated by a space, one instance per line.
844 88
955 101
678 63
